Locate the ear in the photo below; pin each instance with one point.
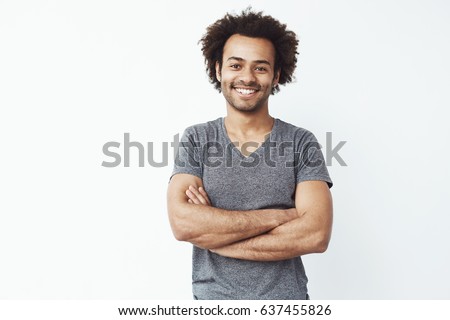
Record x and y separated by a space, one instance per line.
276 78
218 76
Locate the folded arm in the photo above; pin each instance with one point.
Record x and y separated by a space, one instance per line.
209 227
309 233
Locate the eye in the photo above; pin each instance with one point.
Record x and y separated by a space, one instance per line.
235 66
261 69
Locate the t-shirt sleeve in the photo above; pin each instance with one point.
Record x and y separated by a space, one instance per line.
187 159
310 163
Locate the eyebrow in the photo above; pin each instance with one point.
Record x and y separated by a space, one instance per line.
255 61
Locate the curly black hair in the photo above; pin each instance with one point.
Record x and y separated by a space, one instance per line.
255 25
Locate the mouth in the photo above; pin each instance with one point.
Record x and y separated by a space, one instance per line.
246 92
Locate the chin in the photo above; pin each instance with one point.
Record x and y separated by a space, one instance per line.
247 108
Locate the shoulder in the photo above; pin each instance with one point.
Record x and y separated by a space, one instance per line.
203 132
294 133
202 128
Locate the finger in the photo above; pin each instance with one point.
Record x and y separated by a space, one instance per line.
204 194
198 195
192 197
190 201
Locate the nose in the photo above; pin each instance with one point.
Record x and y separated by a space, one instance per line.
247 76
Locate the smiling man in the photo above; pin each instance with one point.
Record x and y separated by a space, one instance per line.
249 191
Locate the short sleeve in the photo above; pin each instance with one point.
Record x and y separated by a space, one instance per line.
187 158
309 161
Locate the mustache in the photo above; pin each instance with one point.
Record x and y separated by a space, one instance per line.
250 85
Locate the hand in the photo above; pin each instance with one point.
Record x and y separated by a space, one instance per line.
197 196
294 213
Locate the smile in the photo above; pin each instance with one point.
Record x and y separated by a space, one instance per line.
245 92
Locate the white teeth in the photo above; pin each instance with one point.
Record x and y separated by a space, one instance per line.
245 91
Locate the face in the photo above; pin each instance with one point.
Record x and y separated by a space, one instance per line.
247 75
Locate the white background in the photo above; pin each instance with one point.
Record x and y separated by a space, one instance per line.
77 74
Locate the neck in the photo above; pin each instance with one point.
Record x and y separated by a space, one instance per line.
248 123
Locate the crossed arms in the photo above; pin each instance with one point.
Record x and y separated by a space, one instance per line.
261 235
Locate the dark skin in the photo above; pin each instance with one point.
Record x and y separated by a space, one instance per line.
247 77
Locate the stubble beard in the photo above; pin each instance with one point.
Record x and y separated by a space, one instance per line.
244 106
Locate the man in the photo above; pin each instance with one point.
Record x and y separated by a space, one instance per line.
250 192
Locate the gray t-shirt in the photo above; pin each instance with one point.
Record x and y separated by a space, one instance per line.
265 179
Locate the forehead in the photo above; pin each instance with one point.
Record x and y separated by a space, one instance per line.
248 48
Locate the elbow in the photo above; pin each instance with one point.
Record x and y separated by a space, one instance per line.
198 241
322 247
183 233
182 230
322 242
180 234
179 226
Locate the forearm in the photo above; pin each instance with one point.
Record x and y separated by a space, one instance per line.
210 227
292 239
